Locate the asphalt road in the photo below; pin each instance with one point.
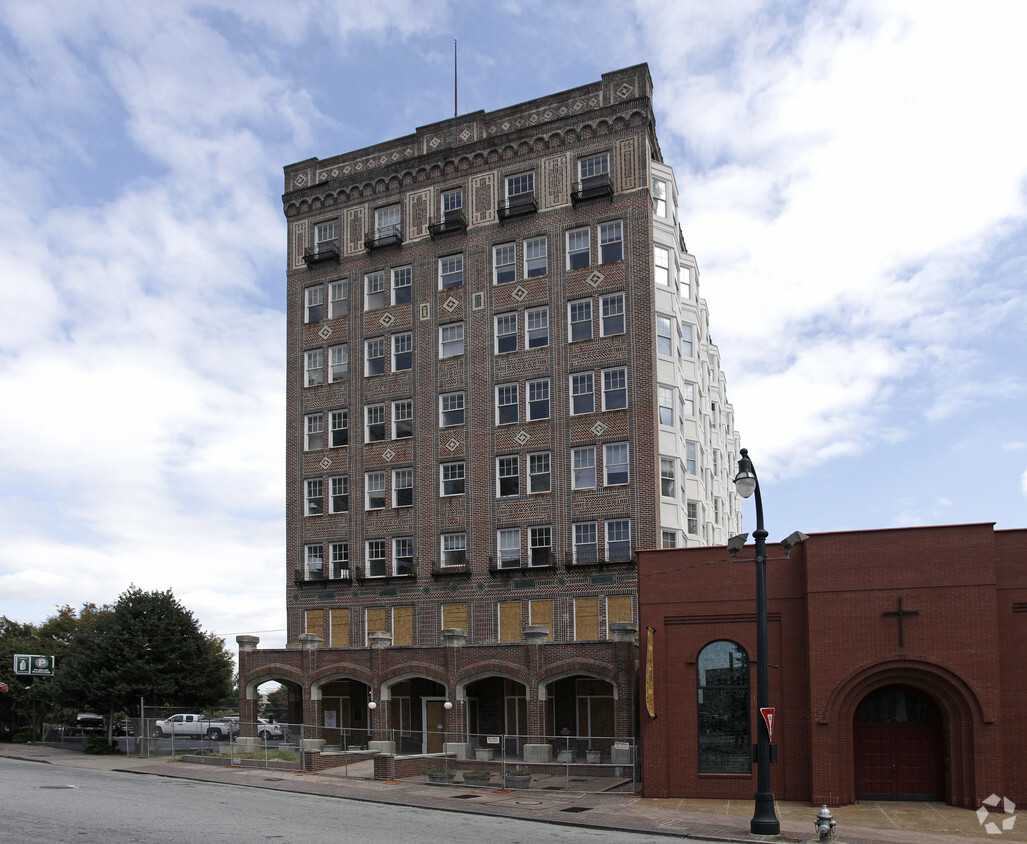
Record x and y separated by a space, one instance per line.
46 803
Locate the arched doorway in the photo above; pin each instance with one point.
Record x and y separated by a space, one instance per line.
898 746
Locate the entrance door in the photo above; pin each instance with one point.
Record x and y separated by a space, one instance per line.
898 747
434 725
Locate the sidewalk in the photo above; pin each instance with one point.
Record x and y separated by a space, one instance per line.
722 820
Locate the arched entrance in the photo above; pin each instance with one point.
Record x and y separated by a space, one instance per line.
898 746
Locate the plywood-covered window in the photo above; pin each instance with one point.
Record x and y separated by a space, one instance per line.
338 631
454 616
377 620
402 625
314 621
541 613
510 621
618 608
586 618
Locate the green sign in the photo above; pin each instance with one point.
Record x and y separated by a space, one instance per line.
33 665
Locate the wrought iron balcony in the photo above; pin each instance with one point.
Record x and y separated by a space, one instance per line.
384 236
439 569
515 206
594 187
594 558
452 222
408 573
325 251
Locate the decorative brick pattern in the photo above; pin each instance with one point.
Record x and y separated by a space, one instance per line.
356 228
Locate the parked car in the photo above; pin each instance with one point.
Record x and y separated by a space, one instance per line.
87 723
223 727
124 728
268 730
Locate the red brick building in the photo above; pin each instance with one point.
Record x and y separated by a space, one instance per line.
896 657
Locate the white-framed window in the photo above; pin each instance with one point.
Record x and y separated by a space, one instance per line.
402 351
659 197
325 233
615 464
374 423
536 327
313 304
374 356
506 333
375 557
586 542
508 546
451 271
594 165
713 414
688 397
508 476
538 399
685 280
454 549
664 329
402 419
669 539
578 249
402 487
338 362
313 375
402 284
665 399
314 432
691 461
522 183
338 428
611 242
507 404
661 264
540 476
451 340
618 540
579 320
338 502
612 321
338 298
615 388
536 257
386 221
452 478
374 490
374 290
452 200
716 511
340 560
686 340
583 395
314 555
313 497
583 467
667 477
451 409
504 263
540 541
692 508
716 461
682 481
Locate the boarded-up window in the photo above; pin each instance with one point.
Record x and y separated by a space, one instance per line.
454 616
377 619
402 625
618 608
586 618
338 634
541 613
315 621
510 621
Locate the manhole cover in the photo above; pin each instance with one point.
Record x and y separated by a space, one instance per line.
578 809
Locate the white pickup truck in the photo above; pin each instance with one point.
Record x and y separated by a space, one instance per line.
213 728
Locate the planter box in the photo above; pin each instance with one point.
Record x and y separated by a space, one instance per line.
565 756
512 781
593 757
484 754
445 776
477 777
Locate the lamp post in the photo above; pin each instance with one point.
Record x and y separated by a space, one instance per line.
764 819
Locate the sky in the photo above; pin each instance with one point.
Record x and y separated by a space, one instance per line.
853 183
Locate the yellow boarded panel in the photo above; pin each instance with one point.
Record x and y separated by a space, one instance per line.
315 620
542 613
338 635
510 621
618 608
454 616
377 619
586 618
402 625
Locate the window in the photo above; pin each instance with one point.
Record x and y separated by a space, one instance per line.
618 540
504 263
451 478
536 260
508 544
538 399
615 388
716 462
619 609
402 419
314 501
338 428
661 261
613 314
578 249
596 165
507 404
666 403
451 271
374 290
338 298
338 362
583 399
506 333
314 436
693 517
375 558
454 616
313 298
539 473
686 289
386 221
541 543
615 464
402 284
452 200
451 409
669 539
523 183
667 477
580 320
586 618
454 549
659 197
722 677
716 511
509 614
402 487
536 324
611 242
451 340
688 397
508 470
713 414
340 563
583 468
315 560
374 356
541 613
374 423
682 480
325 233
374 488
314 368
690 455
403 555
339 501
686 340
402 351
586 544
663 332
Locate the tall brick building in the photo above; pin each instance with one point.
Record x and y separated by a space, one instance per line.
500 384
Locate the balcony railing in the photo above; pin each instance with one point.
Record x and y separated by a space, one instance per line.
384 236
515 206
406 574
539 560
452 222
326 251
320 575
439 569
593 187
594 558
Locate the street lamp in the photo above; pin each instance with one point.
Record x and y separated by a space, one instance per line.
764 820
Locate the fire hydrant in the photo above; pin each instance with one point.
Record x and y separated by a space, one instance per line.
825 824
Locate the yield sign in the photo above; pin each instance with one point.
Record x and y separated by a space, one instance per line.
768 715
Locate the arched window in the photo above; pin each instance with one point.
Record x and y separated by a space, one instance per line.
723 688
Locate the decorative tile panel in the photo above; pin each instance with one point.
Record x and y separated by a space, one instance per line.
483 199
555 190
418 204
299 243
627 164
356 226
325 332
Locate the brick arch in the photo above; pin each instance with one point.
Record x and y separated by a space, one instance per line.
603 127
479 160
481 670
436 171
555 140
463 163
412 669
693 657
572 667
275 672
620 123
336 671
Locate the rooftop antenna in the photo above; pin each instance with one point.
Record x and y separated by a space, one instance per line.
455 112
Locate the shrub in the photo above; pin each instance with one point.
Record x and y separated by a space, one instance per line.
99 745
22 737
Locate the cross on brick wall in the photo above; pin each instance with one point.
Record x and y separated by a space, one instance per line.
901 613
